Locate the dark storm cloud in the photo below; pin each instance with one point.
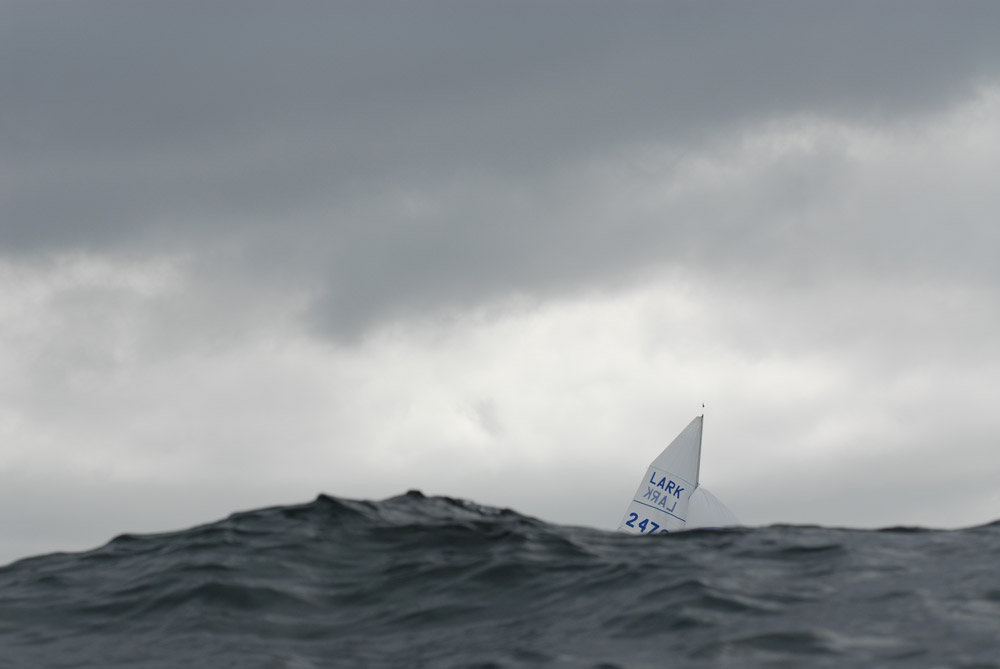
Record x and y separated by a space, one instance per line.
402 156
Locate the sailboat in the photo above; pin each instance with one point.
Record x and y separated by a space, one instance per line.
669 497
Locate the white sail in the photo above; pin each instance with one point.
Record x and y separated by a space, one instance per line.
706 510
669 498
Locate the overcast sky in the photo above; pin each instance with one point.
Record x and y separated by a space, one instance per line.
250 252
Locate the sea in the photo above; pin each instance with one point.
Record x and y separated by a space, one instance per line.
419 581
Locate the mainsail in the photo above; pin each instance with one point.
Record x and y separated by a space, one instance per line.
669 497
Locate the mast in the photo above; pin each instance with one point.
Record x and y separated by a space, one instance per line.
701 431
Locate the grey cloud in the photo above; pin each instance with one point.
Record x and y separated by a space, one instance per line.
290 132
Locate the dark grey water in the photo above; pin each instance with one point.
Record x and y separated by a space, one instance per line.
414 581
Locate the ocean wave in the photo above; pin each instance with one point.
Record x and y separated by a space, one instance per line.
436 581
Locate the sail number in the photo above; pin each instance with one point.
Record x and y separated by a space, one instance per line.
645 526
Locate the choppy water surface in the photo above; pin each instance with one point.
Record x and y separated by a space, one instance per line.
414 581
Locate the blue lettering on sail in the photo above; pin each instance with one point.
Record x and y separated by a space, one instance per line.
663 503
660 506
654 497
659 501
665 484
